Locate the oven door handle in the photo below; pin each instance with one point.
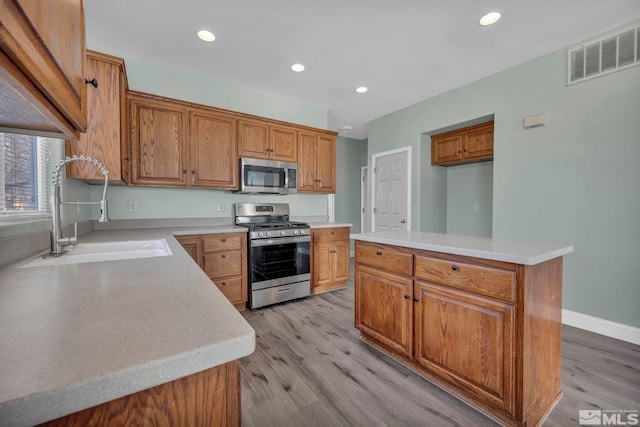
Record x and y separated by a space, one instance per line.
280 241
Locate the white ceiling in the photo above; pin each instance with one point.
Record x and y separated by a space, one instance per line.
404 51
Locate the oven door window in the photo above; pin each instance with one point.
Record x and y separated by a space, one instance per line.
264 176
279 261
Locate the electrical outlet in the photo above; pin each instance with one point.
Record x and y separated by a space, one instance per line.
476 207
220 206
132 206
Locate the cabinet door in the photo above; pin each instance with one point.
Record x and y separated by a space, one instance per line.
158 143
468 340
322 266
326 166
341 261
384 308
307 160
478 144
283 144
193 246
253 139
42 67
105 135
445 149
213 151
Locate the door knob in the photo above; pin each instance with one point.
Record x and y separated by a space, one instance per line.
402 221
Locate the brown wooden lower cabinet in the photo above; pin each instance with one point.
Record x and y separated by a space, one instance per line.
224 258
209 398
488 331
330 259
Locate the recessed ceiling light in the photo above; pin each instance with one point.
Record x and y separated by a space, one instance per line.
298 68
207 36
361 89
490 18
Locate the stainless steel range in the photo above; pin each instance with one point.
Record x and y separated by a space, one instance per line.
279 253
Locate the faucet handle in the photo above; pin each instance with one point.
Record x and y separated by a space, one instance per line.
73 241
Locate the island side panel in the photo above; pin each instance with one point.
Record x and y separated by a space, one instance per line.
209 398
542 339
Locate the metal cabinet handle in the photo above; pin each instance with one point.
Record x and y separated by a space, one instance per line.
416 299
454 267
378 253
223 240
403 221
224 283
184 171
223 256
93 82
406 296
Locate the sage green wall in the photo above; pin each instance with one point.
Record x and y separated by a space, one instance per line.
467 185
151 78
573 181
350 156
188 203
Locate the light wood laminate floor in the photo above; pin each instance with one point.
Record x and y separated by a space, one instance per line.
311 369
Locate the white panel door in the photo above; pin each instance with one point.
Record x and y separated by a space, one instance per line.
365 226
391 187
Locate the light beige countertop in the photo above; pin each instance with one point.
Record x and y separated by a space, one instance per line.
324 224
74 336
526 253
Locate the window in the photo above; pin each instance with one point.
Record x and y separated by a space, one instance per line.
24 171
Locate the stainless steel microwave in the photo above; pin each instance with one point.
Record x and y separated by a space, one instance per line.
268 176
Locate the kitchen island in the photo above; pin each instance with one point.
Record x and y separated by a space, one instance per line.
480 317
78 336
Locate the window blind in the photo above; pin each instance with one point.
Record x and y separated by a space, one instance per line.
24 172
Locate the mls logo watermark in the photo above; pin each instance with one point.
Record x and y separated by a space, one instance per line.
608 417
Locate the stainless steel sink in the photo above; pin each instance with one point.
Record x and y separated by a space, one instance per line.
106 251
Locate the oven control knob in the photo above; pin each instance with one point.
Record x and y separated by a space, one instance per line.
283 233
303 231
261 234
268 234
296 231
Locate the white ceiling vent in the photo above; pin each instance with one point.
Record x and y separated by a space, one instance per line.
603 56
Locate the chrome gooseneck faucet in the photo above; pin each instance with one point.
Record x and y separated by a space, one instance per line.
59 243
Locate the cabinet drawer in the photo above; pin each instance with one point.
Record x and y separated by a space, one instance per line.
231 288
221 242
330 234
223 264
384 258
487 281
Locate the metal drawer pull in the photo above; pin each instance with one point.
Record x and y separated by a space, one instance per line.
378 253
406 296
416 299
283 290
223 240
454 267
223 256
224 283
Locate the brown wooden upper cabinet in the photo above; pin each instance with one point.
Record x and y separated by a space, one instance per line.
177 144
159 149
212 144
316 162
467 145
42 51
106 135
262 140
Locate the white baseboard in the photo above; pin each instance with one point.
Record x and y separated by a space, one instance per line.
601 326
